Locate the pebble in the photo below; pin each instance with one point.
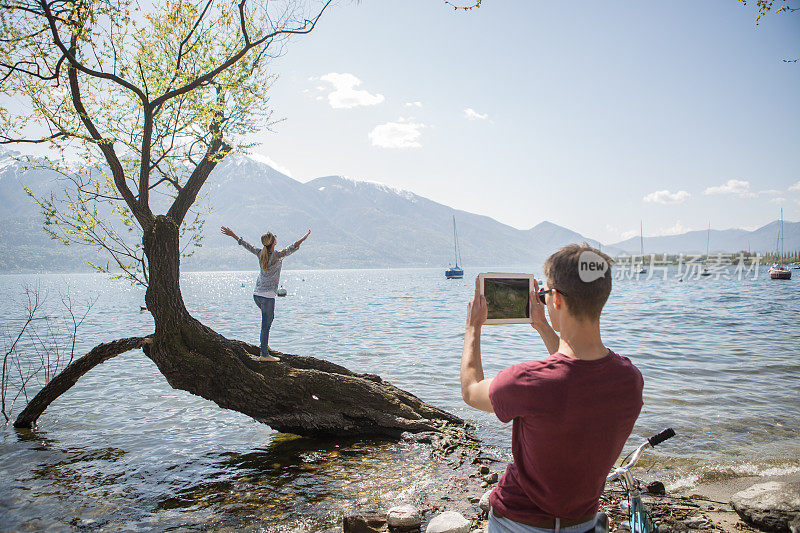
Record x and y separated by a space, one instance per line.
490 478
657 488
448 522
698 522
483 470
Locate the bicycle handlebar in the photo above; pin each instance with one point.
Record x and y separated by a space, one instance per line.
655 440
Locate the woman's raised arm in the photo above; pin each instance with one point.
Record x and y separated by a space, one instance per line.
229 232
304 237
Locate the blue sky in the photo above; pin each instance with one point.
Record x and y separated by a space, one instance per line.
592 115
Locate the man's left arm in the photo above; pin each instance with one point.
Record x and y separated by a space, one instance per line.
474 387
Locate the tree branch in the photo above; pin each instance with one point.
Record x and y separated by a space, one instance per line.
307 27
70 375
216 151
189 36
8 140
73 61
141 212
242 23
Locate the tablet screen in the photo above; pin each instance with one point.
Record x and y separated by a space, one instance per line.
507 297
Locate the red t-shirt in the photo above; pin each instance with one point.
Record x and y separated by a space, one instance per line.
571 420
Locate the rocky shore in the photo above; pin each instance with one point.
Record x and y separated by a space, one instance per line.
458 502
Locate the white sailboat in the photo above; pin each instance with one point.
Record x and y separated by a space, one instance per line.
705 271
779 270
455 272
642 269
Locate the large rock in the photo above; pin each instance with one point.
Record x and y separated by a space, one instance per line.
770 506
484 504
448 522
403 516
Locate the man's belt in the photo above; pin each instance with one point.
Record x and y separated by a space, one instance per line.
548 523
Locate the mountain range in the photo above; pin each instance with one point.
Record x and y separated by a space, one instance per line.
355 224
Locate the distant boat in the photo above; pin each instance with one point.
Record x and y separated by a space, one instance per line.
281 292
779 270
455 272
705 271
642 269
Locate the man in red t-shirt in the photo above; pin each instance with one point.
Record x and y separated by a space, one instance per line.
572 411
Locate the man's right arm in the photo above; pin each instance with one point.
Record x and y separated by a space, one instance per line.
539 321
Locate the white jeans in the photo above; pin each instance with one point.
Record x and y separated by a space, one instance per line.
506 525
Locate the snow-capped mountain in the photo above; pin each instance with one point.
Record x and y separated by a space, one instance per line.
354 224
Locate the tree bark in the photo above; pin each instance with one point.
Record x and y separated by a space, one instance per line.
70 375
300 395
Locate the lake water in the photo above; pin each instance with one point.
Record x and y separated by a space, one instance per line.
122 450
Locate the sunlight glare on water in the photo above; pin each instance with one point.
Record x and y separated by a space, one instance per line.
122 449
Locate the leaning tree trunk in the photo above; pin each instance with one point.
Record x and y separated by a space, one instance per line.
301 395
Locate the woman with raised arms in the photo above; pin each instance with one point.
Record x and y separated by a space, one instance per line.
265 292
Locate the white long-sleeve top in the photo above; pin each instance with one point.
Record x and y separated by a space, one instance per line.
267 282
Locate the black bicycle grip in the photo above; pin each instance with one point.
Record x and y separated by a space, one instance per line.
655 440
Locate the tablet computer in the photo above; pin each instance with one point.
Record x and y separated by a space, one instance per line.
507 297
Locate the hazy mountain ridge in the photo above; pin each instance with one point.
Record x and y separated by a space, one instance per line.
761 240
355 224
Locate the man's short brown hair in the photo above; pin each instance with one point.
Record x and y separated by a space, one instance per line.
585 300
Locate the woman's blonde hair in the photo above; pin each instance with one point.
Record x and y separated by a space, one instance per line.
268 240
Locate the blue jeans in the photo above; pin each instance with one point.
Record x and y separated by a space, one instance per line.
267 306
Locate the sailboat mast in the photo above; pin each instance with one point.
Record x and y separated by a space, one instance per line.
641 239
455 240
781 258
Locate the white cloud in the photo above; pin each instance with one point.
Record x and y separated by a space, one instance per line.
413 104
737 187
666 197
795 187
261 158
345 95
629 234
770 192
397 135
778 200
677 229
471 114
